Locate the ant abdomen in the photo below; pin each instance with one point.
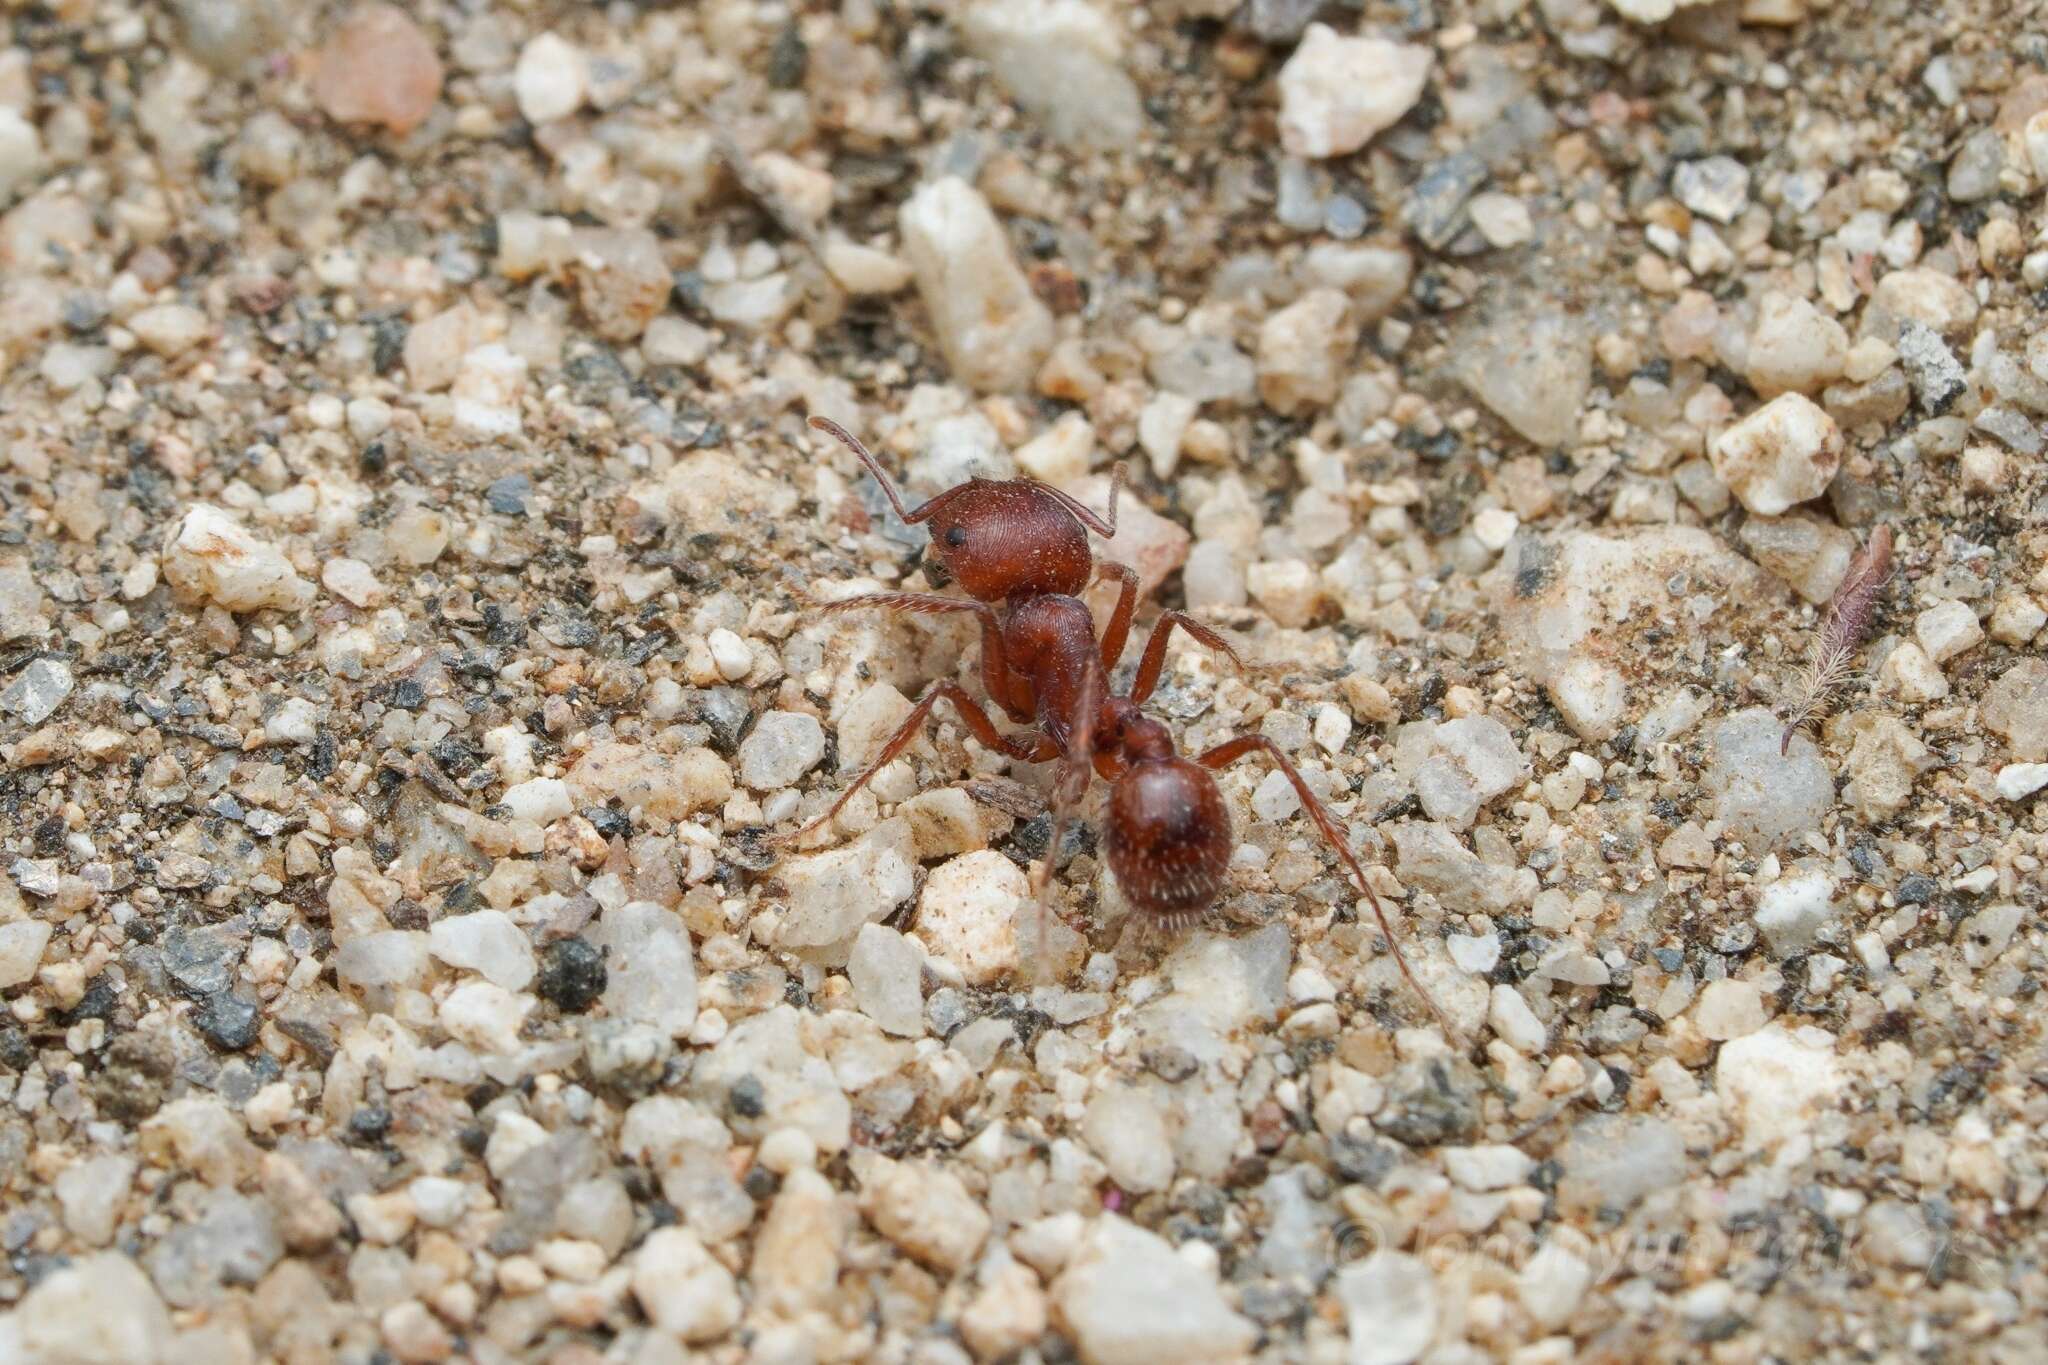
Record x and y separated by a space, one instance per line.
1167 838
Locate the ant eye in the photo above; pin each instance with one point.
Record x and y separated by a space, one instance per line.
955 537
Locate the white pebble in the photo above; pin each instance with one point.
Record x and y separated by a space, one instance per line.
1783 454
1728 1009
782 747
541 800
551 79
729 654
2017 781
1275 799
992 328
1336 93
1514 1022
21 152
209 555
1912 675
169 329
1494 527
1947 629
324 411
368 418
1502 219
1332 728
487 942
353 581
967 915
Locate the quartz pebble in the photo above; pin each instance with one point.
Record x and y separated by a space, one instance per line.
1759 792
682 1288
1553 1283
21 153
832 894
1336 93
1716 187
1776 1080
2016 708
1784 453
886 971
1126 1127
2016 782
623 280
36 693
991 327
1946 630
927 1212
487 942
1794 348
1502 219
1792 910
968 913
1390 1308
1129 1299
1302 349
650 971
353 581
782 747
209 555
551 79
1462 764
1938 301
99 1310
1060 60
170 329
1728 1009
1533 372
21 950
378 67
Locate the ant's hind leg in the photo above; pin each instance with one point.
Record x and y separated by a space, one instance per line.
1033 750
1228 752
1069 786
1154 660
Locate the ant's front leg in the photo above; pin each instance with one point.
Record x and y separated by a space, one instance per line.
1003 685
1033 750
1228 752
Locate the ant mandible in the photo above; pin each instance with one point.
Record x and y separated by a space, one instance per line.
1166 832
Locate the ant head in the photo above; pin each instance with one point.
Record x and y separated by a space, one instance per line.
1004 540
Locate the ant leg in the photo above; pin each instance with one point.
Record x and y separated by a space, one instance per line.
1119 629
996 674
1069 786
1104 526
853 443
971 714
1228 752
1154 660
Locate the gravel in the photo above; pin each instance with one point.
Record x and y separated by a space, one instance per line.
412 681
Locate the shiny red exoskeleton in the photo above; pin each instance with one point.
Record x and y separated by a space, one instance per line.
1002 540
1166 832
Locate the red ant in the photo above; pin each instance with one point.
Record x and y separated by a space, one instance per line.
1167 830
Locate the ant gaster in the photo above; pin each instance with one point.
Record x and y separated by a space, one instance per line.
1166 832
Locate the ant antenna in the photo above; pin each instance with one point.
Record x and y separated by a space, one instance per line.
853 443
